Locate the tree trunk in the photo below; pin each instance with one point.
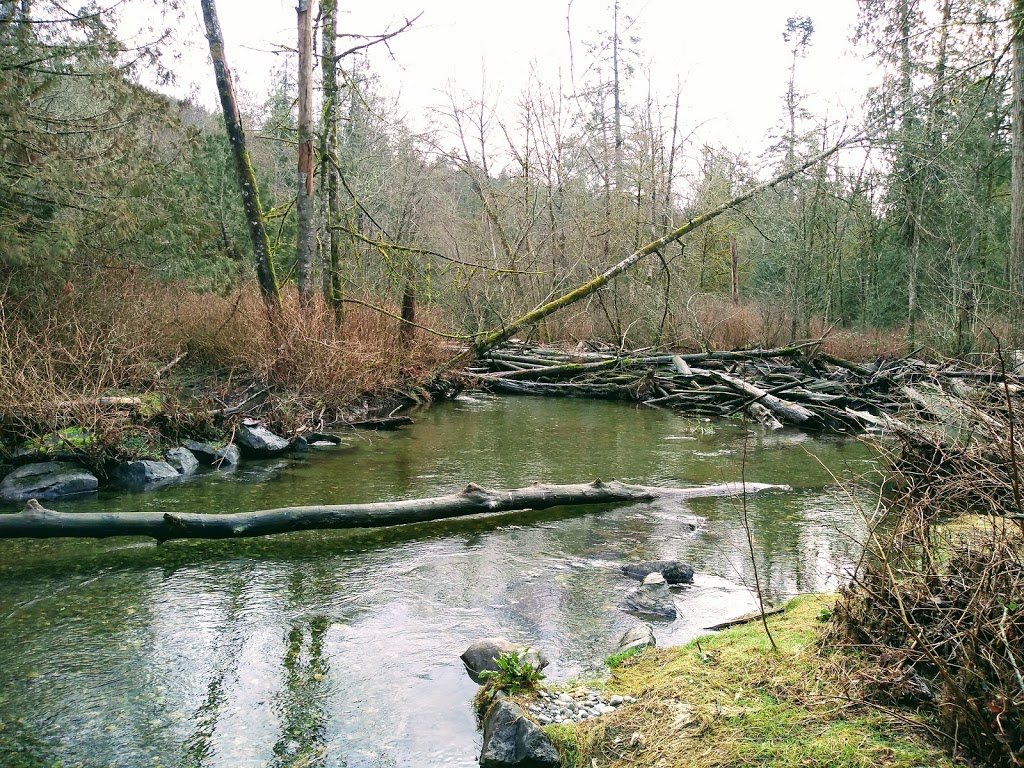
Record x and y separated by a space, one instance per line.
735 259
246 175
581 292
37 522
329 10
407 329
304 205
1017 178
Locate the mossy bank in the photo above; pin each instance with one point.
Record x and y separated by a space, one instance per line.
730 699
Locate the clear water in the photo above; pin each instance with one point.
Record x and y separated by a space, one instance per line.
342 648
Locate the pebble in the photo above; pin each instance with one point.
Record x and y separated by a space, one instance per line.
575 706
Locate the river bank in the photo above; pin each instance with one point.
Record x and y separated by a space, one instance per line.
729 700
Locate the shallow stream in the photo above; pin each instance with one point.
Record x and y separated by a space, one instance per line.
342 648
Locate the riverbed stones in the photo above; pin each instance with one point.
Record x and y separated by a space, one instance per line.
47 480
257 440
652 598
512 739
640 636
137 475
574 706
482 656
183 460
674 571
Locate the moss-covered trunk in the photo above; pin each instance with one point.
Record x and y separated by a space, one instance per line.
246 174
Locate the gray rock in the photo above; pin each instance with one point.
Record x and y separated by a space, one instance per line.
204 452
183 460
640 636
228 456
674 571
482 656
141 474
652 598
512 739
48 480
256 440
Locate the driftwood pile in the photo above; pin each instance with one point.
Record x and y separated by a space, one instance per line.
797 385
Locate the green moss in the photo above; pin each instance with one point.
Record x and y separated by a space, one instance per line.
72 438
731 700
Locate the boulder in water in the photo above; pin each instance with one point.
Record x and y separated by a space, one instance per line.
136 475
47 480
512 739
183 460
482 656
640 636
652 598
674 571
256 440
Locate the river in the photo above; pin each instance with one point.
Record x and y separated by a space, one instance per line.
342 648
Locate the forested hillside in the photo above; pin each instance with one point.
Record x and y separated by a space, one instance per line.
120 212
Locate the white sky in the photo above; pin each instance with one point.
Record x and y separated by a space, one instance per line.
729 55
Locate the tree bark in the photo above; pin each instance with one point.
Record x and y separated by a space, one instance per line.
38 522
536 315
304 204
329 9
1016 286
243 165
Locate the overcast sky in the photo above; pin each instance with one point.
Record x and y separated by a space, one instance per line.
729 55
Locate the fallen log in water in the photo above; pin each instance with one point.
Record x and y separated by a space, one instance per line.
35 521
797 385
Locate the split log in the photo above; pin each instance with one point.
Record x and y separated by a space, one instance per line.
37 522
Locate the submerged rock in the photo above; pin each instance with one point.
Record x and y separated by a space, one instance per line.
652 598
482 656
257 440
47 480
136 475
512 739
640 636
674 571
183 460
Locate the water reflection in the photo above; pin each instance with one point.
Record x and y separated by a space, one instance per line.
341 648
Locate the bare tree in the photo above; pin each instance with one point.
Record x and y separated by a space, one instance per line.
246 174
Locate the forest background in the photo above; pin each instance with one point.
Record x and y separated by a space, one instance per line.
125 243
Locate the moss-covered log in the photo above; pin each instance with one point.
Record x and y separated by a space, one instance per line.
38 522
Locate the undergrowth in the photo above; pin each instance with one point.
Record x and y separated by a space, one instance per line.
937 606
67 348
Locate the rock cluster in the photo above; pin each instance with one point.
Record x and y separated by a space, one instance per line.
58 479
574 707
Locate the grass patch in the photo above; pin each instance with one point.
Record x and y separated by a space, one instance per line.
618 659
729 700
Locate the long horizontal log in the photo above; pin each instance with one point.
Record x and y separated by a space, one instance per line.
35 521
